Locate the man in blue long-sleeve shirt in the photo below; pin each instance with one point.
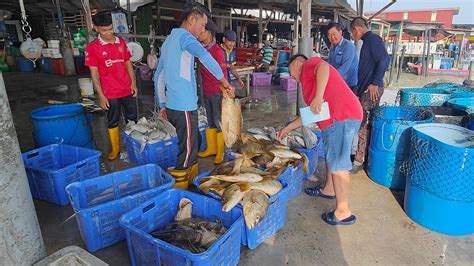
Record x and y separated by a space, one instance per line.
373 63
175 87
342 55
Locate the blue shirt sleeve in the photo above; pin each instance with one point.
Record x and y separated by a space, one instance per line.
190 43
348 54
160 93
381 59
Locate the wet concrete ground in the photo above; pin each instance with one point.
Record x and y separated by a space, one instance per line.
382 235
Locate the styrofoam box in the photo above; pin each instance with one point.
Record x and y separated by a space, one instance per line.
71 255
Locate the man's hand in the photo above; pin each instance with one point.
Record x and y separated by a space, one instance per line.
163 114
230 91
134 90
316 105
282 133
373 91
241 83
104 102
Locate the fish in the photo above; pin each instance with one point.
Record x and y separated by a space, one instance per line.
224 168
262 159
204 186
219 189
185 209
246 138
157 134
247 177
271 132
139 136
193 234
268 185
262 136
255 204
284 153
253 170
231 121
233 195
310 139
256 130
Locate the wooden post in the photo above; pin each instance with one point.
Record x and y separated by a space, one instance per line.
260 24
88 17
66 49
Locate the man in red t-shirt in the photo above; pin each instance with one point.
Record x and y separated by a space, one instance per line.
322 83
213 95
108 59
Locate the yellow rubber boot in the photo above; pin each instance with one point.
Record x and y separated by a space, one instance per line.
114 137
220 148
181 177
210 142
193 172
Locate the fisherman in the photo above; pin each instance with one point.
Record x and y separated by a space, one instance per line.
342 55
108 59
322 83
175 86
373 63
213 95
228 46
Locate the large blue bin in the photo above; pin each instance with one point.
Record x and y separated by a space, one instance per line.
440 185
462 103
62 124
25 65
390 142
423 96
469 122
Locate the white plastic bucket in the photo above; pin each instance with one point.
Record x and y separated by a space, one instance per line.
86 87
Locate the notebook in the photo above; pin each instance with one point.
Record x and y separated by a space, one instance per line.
308 117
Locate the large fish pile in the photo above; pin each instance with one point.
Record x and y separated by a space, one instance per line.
243 180
231 120
149 131
193 234
298 138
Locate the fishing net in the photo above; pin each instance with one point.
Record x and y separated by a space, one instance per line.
448 86
422 96
441 169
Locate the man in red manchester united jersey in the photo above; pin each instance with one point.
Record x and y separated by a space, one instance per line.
112 73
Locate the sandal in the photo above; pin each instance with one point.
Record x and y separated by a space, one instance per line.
316 192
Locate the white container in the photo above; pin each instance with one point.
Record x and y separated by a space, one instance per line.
86 87
71 256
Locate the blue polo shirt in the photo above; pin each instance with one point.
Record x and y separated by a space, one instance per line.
373 62
230 60
343 57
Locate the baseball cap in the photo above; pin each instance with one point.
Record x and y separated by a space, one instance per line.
211 27
230 35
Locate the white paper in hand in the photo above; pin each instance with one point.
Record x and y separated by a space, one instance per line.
308 117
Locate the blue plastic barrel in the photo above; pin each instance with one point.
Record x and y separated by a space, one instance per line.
390 142
464 94
62 124
469 124
25 65
462 103
439 190
423 96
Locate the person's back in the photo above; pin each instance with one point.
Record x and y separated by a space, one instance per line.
343 104
267 55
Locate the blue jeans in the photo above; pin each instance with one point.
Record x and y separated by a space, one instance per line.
338 142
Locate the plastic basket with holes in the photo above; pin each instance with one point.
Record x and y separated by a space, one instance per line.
159 211
101 201
51 168
275 217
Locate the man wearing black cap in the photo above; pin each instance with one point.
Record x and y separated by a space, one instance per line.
213 95
228 46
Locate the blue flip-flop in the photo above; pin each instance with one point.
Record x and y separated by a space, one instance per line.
331 219
316 192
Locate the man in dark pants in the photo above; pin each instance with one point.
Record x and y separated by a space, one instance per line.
213 95
373 63
112 73
176 90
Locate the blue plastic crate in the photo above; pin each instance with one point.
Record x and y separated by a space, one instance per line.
163 153
101 201
274 219
51 168
147 250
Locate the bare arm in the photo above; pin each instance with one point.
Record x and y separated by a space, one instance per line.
236 75
290 127
321 72
104 103
131 74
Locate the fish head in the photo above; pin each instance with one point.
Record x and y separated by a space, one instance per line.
246 138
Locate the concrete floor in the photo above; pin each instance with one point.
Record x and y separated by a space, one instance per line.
382 235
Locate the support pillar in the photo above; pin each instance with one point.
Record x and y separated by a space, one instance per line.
260 24
305 42
21 242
